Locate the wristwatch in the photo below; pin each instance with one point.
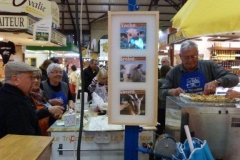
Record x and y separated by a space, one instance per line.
217 82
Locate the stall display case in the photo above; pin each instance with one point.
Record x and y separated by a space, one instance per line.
216 122
99 140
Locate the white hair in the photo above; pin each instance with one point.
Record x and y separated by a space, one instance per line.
187 45
52 66
166 59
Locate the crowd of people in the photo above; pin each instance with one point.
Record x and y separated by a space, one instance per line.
32 99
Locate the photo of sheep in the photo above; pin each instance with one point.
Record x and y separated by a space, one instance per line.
133 35
132 102
133 69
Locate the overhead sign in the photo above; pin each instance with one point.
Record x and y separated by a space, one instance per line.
37 8
174 37
42 29
58 38
55 13
26 22
8 21
163 37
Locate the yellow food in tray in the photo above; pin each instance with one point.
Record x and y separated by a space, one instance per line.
206 98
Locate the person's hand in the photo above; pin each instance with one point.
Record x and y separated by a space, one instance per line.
232 94
55 101
175 91
210 87
71 105
58 116
58 110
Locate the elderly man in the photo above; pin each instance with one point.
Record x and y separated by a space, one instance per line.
16 112
195 76
88 74
165 61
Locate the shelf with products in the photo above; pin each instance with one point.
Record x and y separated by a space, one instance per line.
227 57
231 65
224 48
227 63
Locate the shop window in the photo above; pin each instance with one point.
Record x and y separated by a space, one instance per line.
31 61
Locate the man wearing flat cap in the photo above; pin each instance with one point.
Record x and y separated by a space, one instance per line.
16 113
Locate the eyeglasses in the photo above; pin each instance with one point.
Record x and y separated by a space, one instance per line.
190 57
37 78
56 72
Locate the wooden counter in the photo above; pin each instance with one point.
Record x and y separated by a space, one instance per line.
25 147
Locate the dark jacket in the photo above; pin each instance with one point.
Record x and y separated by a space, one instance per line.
17 116
65 77
44 74
88 77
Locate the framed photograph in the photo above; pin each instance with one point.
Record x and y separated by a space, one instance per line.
132 35
132 102
133 67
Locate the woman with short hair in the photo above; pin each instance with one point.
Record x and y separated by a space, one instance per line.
56 90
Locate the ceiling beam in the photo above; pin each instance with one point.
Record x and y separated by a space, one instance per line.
107 12
89 16
103 16
150 5
155 5
70 12
86 5
87 25
109 6
71 24
78 18
173 4
183 2
95 19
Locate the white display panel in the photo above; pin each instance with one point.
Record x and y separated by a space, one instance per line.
132 41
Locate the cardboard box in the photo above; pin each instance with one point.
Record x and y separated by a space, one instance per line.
69 119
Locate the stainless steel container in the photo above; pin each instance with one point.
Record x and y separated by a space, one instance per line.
216 122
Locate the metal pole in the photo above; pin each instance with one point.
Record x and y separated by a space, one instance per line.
131 142
131 5
131 132
82 77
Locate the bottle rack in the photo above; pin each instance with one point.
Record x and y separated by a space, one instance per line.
227 57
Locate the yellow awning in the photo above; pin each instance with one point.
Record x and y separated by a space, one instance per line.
207 17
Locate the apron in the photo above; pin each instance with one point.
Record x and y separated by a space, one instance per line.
193 82
102 92
60 95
